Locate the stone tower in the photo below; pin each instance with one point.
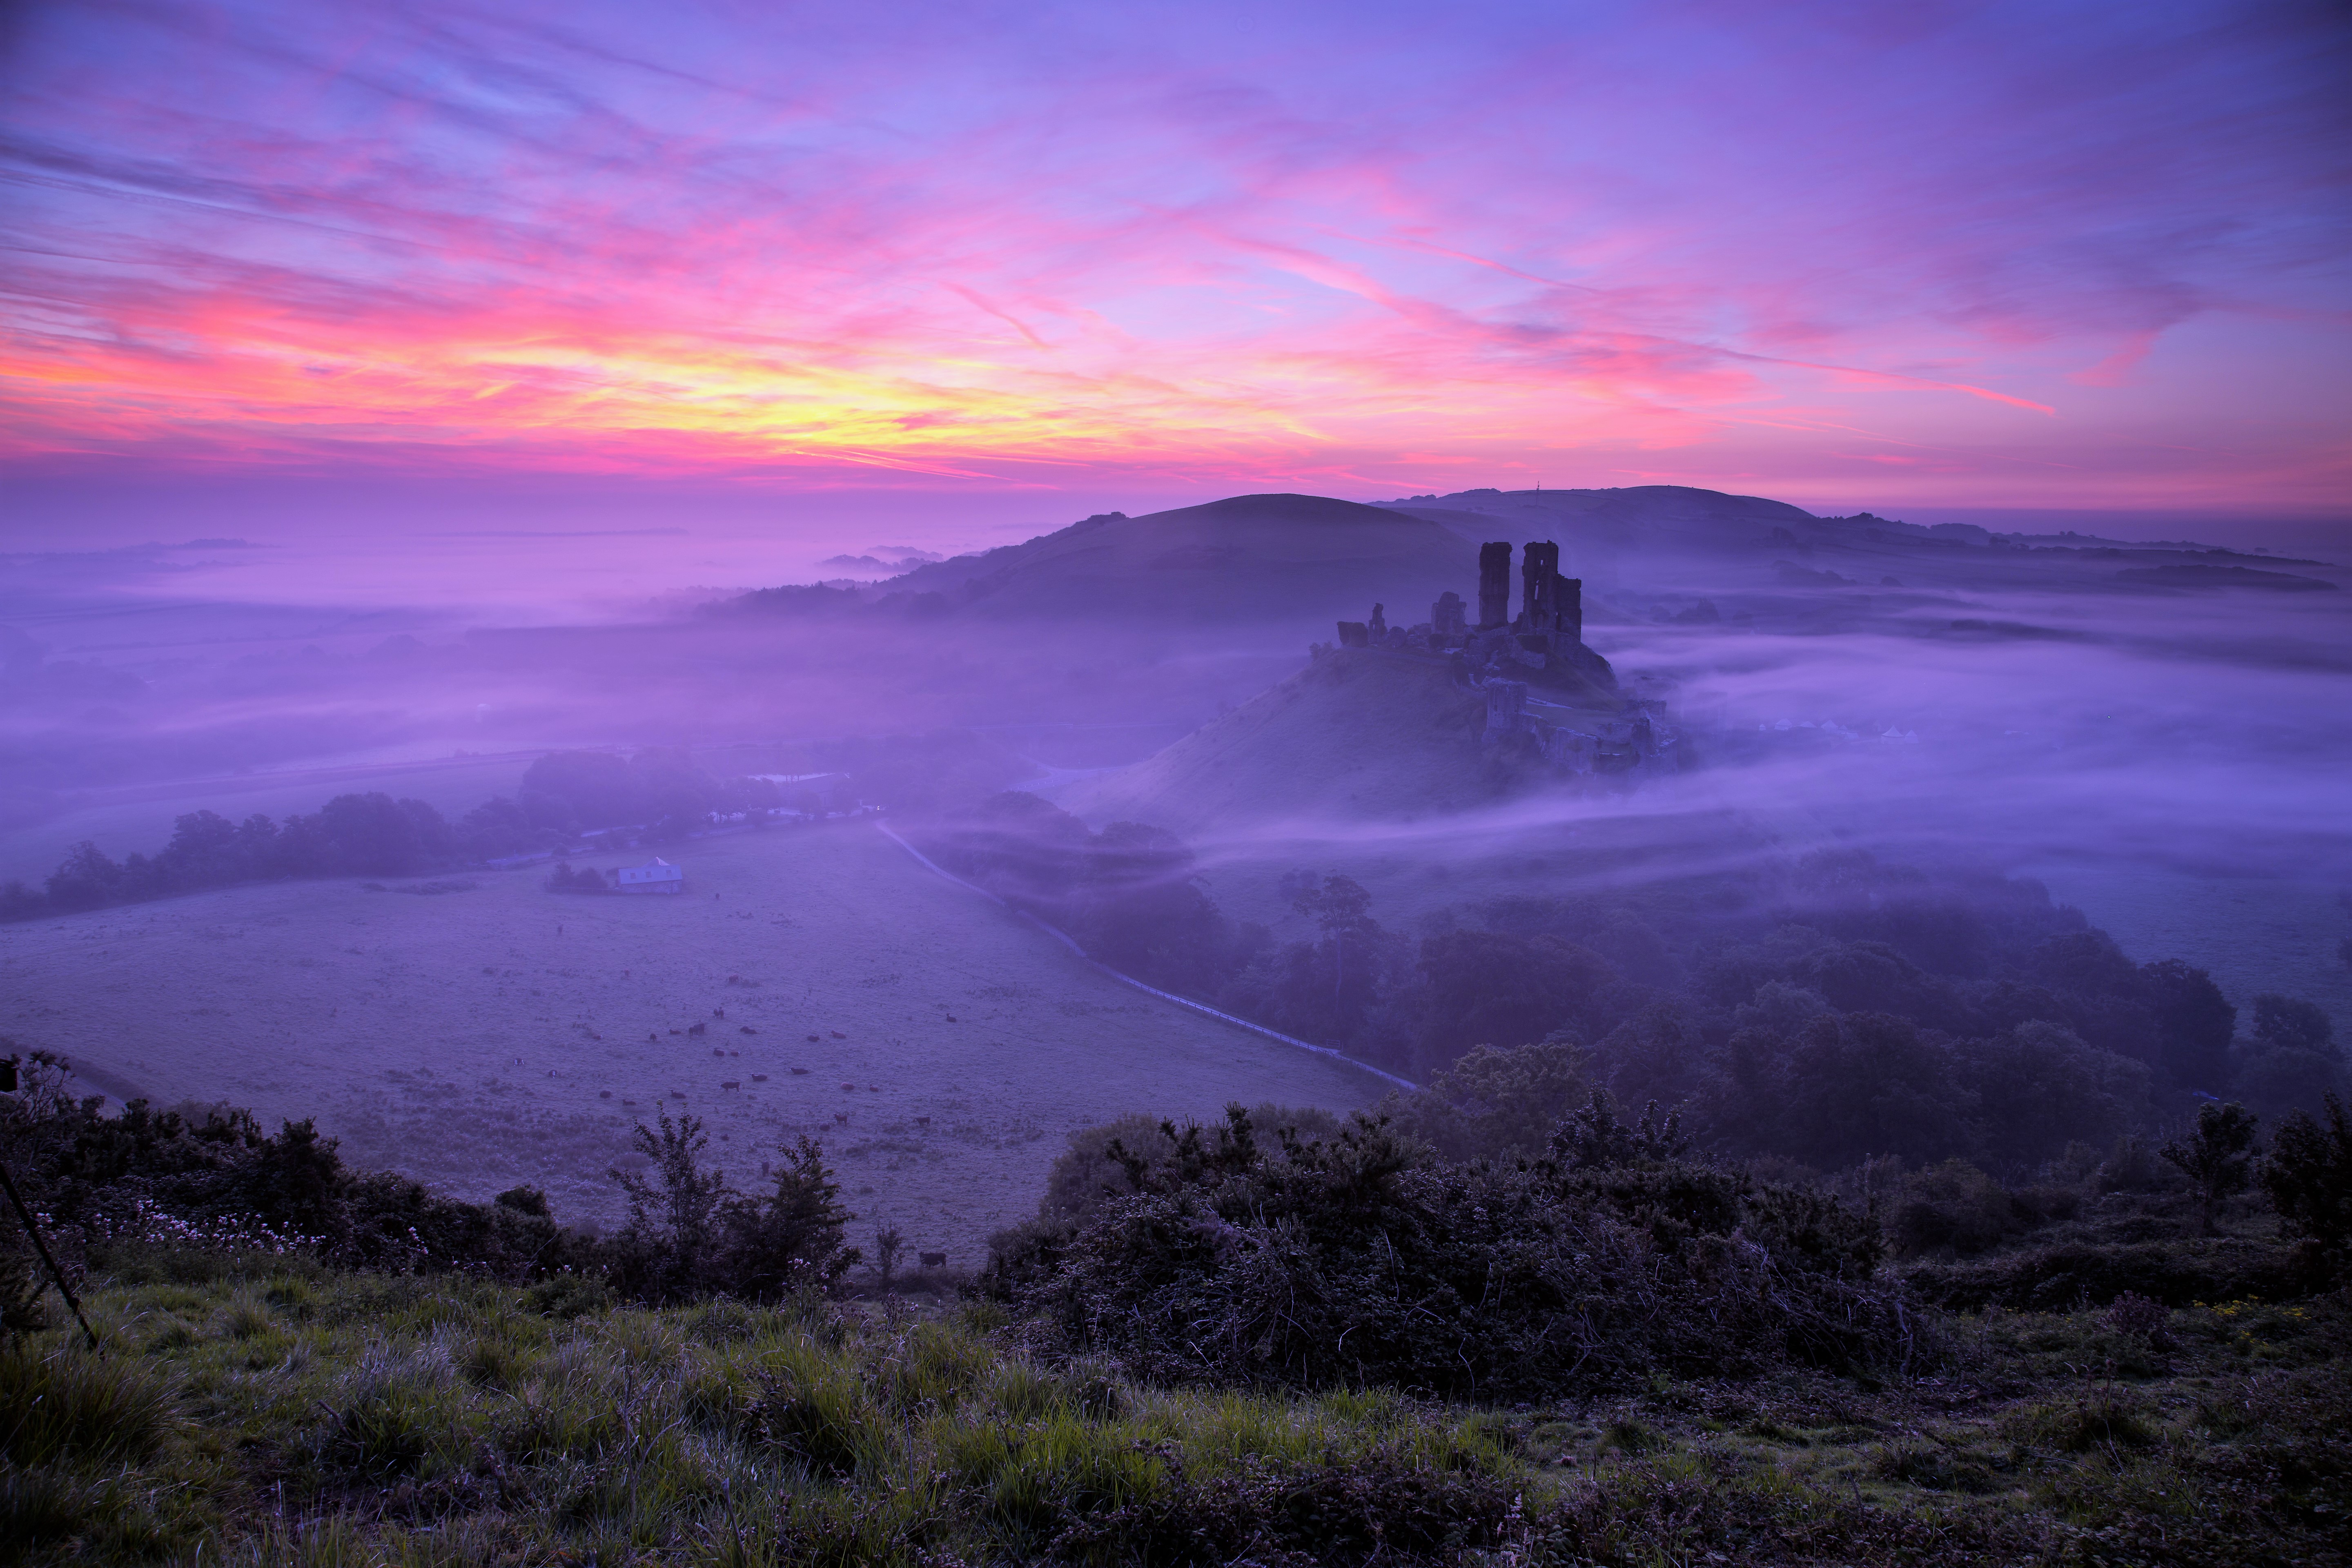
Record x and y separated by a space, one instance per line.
1493 586
1539 589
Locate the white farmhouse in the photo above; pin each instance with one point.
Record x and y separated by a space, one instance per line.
655 876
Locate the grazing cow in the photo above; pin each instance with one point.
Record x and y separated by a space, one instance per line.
731 1083
800 1072
922 1121
933 1259
842 1117
850 1088
758 1078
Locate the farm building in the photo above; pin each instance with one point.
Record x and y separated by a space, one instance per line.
655 876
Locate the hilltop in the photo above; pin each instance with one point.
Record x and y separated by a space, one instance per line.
1650 516
1296 559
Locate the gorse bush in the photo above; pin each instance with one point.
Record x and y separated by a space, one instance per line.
209 1179
1357 1260
180 1187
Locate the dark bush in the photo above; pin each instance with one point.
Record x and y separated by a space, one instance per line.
2309 1179
1350 1261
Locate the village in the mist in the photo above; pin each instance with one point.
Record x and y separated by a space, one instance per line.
2126 735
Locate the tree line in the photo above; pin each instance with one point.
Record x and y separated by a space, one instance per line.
1823 1010
659 795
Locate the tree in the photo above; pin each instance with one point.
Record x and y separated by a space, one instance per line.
2194 1025
1343 908
889 1246
2217 1157
2309 1177
1324 991
373 835
791 1240
497 826
1338 903
202 852
86 878
2293 1062
676 1214
1496 1102
2287 1023
2038 1085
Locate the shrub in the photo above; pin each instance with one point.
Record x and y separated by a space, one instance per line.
1348 1262
2098 1417
2217 1158
1953 1205
2133 1314
2309 1178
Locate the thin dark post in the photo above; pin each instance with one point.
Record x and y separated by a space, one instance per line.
56 1274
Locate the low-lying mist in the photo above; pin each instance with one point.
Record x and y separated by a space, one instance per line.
2058 705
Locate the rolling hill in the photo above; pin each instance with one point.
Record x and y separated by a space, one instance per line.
1303 560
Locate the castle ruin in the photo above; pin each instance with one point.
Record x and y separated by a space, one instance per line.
1549 697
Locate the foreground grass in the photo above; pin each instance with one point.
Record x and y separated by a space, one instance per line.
277 1414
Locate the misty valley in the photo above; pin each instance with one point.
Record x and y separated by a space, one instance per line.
1503 1026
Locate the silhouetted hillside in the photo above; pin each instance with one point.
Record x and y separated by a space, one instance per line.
1304 560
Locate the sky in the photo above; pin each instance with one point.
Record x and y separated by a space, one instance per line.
866 273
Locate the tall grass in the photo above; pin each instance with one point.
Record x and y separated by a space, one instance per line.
313 1419
62 1404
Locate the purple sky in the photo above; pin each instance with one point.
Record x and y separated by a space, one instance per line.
826 274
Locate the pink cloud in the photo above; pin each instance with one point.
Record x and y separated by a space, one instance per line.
1018 247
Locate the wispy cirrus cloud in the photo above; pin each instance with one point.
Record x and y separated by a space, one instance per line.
1005 244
